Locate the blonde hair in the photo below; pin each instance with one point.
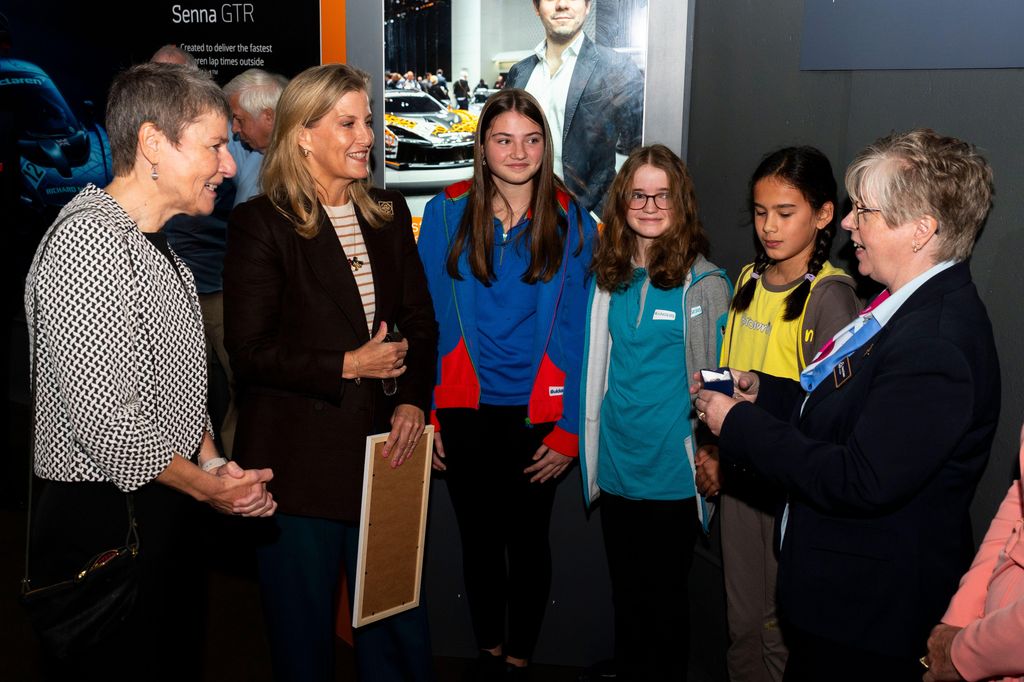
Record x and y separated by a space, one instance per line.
907 175
285 177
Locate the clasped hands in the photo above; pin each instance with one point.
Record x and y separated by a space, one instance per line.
378 358
242 491
938 661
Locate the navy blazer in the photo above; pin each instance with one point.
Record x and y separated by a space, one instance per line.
604 113
880 471
291 311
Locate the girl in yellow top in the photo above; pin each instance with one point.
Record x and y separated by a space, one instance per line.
788 303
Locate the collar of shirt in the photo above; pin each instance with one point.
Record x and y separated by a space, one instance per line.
570 52
881 311
501 237
887 308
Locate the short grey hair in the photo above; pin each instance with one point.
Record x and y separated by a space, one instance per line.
172 54
256 89
908 175
169 96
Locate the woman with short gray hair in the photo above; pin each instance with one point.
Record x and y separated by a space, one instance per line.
119 370
881 444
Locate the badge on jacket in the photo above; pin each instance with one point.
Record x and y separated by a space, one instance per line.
842 373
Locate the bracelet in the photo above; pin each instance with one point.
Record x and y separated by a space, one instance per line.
356 378
211 464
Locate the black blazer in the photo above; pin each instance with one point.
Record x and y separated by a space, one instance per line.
291 310
604 113
880 471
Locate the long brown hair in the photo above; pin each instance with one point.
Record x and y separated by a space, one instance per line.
285 176
548 225
670 256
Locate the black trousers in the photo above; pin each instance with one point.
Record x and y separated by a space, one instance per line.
503 522
73 522
813 658
650 550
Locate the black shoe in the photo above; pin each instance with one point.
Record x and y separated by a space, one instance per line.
600 672
516 673
486 668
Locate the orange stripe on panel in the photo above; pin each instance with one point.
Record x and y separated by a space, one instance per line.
332 31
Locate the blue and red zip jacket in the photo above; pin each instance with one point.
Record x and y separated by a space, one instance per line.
557 348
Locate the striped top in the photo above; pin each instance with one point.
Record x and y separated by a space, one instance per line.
346 226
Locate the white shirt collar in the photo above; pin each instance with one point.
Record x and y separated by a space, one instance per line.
573 49
887 308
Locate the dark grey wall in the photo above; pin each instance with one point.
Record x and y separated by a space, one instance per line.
749 97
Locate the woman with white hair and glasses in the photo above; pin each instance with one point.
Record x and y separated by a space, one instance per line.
880 446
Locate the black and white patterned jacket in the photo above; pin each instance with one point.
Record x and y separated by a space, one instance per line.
119 350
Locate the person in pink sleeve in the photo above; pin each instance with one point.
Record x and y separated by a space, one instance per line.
980 636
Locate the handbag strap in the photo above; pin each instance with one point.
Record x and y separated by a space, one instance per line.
132 539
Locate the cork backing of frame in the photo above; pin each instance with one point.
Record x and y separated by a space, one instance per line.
392 530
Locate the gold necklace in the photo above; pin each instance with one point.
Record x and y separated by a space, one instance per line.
355 262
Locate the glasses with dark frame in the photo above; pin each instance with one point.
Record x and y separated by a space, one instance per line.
859 211
638 200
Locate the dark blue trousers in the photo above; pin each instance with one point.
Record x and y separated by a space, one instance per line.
299 569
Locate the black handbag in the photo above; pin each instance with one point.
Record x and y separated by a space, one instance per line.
72 616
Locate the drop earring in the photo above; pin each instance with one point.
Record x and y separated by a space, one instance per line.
154 174
915 246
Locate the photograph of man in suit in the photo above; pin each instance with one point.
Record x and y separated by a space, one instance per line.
593 98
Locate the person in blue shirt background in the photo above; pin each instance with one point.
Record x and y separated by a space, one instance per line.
657 311
506 257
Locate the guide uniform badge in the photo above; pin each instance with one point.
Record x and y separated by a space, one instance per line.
842 372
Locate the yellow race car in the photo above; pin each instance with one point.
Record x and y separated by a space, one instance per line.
422 133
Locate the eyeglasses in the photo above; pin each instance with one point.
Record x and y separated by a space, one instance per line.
859 211
638 200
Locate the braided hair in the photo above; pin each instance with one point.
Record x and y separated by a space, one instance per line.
807 170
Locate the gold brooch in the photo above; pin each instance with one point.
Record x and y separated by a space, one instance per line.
387 207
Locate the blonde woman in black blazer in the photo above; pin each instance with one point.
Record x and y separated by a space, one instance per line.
881 459
305 327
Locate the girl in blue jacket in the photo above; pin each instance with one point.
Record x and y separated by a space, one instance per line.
506 256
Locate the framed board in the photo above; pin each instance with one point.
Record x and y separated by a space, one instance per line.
392 529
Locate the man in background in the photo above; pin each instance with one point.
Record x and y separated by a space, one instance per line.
172 54
592 96
200 240
461 91
253 95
